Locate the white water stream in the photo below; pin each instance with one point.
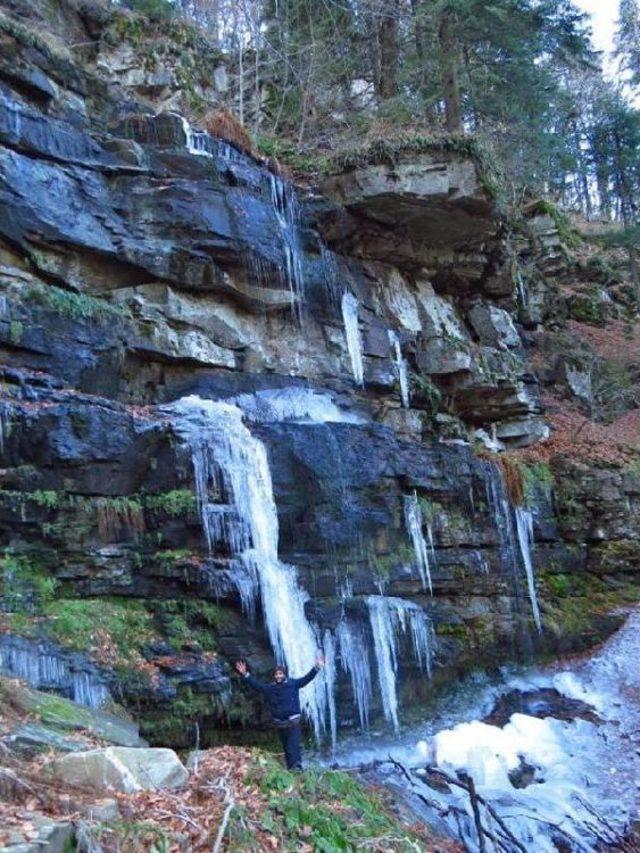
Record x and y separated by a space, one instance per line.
585 775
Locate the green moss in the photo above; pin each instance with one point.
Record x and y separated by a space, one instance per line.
429 509
189 622
76 306
537 476
566 231
174 503
83 623
172 722
328 810
459 630
573 605
25 586
619 555
287 153
425 392
16 330
559 585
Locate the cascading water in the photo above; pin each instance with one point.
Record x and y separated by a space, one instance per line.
352 333
202 144
229 461
524 527
388 617
285 205
414 523
515 538
400 365
354 659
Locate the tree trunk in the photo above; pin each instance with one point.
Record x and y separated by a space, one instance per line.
419 36
389 29
450 59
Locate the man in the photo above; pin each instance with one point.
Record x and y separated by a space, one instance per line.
283 697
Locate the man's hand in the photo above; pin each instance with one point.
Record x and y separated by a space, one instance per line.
320 662
241 667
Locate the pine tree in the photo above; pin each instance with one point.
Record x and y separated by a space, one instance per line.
628 39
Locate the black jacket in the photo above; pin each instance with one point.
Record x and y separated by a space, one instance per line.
283 698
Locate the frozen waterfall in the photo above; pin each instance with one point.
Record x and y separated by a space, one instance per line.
515 530
389 617
414 523
400 365
354 657
285 205
237 508
352 333
524 527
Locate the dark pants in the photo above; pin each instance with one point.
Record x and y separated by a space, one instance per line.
290 739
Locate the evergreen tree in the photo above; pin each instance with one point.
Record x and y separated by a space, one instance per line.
628 39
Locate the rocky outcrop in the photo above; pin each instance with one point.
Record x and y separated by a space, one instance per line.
370 344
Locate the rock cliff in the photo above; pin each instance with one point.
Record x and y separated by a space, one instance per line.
242 416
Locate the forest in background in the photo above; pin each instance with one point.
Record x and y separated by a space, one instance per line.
522 75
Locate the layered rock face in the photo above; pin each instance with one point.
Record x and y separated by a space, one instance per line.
239 417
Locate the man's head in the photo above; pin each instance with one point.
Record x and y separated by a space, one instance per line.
279 674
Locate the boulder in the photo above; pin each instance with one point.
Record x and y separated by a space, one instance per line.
121 769
44 834
494 327
33 738
59 713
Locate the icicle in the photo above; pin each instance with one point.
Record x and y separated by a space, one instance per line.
285 206
228 459
328 676
41 667
413 521
352 333
524 526
354 659
389 616
514 539
401 368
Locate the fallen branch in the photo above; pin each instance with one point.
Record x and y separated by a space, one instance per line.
229 804
474 798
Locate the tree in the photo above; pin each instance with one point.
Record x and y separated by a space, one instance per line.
628 39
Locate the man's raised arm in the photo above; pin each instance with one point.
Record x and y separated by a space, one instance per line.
302 682
251 681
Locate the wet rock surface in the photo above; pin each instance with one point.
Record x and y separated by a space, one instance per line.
141 262
546 702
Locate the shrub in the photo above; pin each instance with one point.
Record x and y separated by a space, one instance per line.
223 124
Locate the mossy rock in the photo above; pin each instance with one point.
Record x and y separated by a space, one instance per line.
617 557
61 713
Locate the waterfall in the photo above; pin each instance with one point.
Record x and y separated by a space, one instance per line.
231 464
352 333
286 208
524 527
414 522
522 289
44 667
515 539
400 365
354 659
388 617
202 144
295 404
329 651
